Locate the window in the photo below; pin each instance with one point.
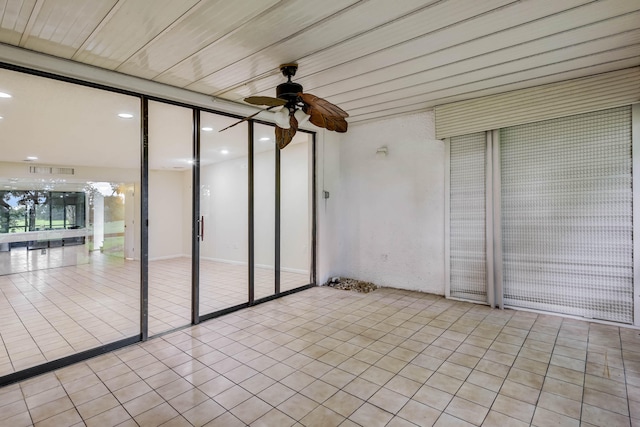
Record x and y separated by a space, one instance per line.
32 210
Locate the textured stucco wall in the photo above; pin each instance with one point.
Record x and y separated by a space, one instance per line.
389 210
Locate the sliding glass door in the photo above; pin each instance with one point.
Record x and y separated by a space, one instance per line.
69 232
296 208
264 205
170 189
223 222
122 218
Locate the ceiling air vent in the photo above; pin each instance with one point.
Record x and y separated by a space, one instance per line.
49 170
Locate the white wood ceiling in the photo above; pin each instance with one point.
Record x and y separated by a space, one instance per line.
374 58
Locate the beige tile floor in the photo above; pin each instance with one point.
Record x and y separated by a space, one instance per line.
52 313
324 357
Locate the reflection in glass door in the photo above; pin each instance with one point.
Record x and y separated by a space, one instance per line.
63 214
170 174
224 173
108 206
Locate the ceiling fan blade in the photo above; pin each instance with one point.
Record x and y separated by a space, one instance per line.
337 124
323 106
249 117
265 100
334 123
324 114
284 136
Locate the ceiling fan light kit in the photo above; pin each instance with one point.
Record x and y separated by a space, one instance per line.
282 118
298 108
301 117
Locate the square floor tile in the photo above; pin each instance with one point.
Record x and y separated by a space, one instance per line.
297 406
370 415
343 403
251 409
392 356
322 417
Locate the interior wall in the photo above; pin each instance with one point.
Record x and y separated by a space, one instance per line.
390 216
264 190
223 203
81 173
131 221
187 210
224 206
167 222
295 215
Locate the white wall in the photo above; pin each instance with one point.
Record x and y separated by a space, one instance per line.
187 210
224 206
81 174
132 221
264 202
295 202
168 225
223 203
389 210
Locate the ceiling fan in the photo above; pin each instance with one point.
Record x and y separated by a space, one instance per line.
297 107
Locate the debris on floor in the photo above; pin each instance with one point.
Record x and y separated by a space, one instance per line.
351 284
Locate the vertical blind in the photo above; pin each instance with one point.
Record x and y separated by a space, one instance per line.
467 240
566 215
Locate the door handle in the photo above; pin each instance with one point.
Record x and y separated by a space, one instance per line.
202 228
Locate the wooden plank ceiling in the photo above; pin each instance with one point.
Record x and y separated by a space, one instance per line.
374 58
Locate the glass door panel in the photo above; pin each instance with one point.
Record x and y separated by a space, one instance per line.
264 220
170 206
295 212
62 186
224 185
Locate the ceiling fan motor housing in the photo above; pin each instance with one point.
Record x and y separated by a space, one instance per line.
288 91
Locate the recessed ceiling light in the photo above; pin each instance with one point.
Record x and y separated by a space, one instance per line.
30 158
1 117
224 151
190 162
125 115
265 138
207 129
5 95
